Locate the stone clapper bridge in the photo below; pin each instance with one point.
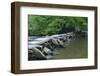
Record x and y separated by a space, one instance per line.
45 48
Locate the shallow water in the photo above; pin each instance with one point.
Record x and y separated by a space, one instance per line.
76 48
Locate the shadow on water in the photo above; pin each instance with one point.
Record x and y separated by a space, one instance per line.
76 48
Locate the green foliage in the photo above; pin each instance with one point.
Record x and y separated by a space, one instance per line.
48 25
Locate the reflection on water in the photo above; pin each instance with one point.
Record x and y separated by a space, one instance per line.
77 48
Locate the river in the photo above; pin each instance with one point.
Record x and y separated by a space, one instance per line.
74 49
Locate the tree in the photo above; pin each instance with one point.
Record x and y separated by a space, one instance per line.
49 25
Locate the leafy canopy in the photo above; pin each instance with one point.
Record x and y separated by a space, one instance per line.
48 25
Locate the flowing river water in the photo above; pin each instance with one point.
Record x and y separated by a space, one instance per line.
77 48
74 49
